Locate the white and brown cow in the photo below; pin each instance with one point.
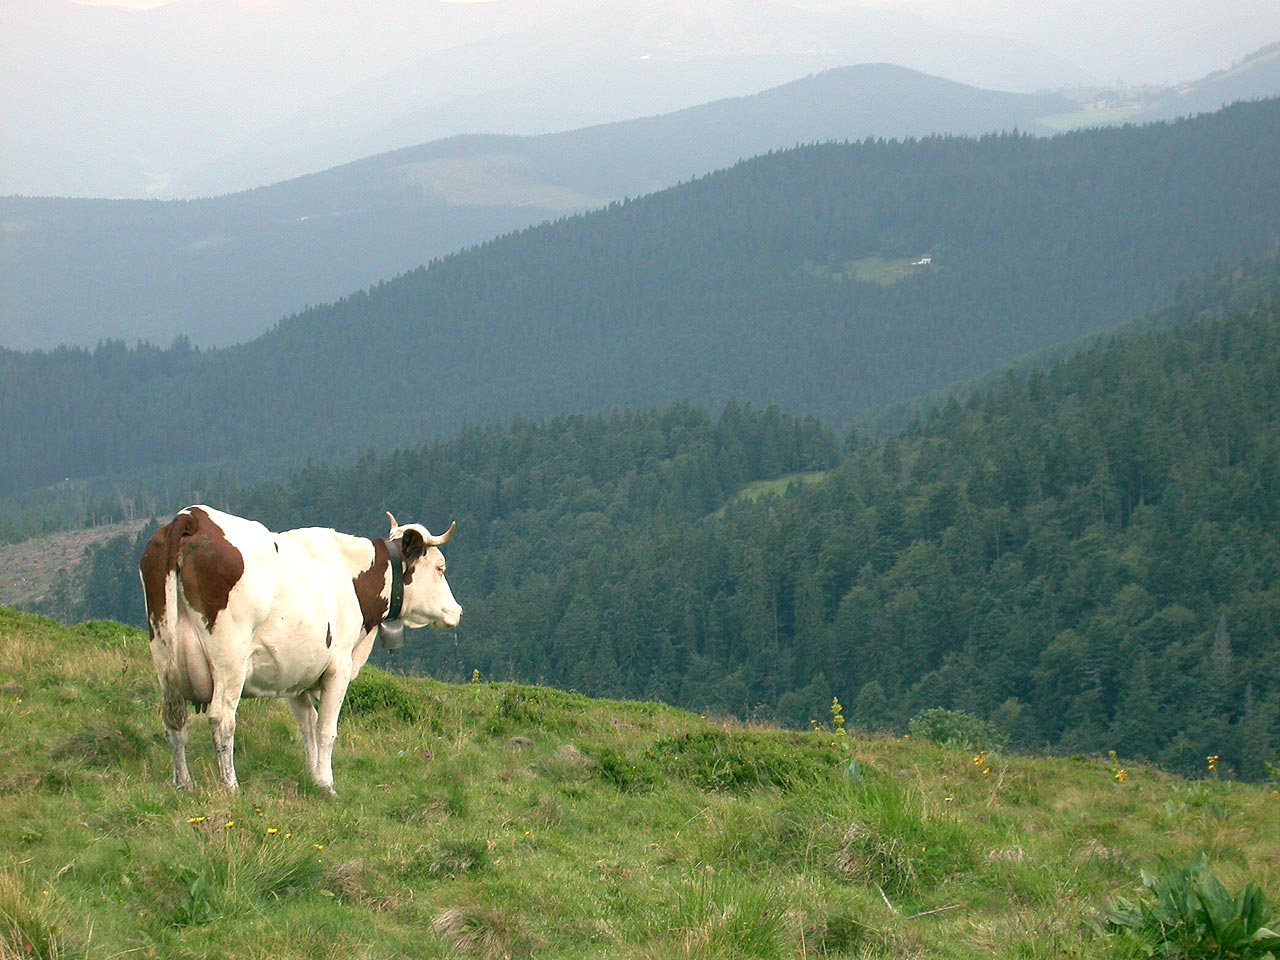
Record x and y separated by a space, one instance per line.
238 611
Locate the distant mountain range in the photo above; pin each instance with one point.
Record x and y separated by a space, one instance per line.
222 270
193 98
827 279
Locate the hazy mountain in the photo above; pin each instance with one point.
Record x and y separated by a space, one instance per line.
1254 77
612 63
224 269
193 98
828 279
103 101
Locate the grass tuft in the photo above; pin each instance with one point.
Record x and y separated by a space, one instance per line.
897 846
30 925
484 932
449 858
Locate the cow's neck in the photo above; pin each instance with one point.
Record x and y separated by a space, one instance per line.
371 578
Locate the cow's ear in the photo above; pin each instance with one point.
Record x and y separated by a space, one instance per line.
412 546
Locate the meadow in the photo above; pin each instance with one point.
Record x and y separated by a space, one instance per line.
499 820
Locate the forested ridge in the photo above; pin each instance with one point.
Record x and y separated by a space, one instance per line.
1085 556
785 280
318 237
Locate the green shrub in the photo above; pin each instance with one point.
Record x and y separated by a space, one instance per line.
377 692
955 728
1190 914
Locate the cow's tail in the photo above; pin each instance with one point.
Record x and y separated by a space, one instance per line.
174 707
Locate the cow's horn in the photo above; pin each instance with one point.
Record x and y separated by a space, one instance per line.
440 541
391 517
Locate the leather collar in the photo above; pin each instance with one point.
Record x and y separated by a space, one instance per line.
397 580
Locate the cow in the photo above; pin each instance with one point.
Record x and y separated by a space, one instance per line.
237 611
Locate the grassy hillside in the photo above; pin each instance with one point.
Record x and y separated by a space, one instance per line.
496 820
1252 78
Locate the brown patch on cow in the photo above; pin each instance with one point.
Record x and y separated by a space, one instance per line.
154 567
370 584
208 564
159 557
328 637
412 547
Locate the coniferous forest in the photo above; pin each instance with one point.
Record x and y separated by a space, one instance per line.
1083 555
791 279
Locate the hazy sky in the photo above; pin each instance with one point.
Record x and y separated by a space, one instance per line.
138 97
1137 41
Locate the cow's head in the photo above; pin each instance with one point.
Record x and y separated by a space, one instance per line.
428 601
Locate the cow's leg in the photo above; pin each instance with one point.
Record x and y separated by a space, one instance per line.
227 691
175 716
333 690
304 711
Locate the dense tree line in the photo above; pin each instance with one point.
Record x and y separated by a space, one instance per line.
1085 556
738 284
531 485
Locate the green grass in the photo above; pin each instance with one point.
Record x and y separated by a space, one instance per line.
881 270
777 487
501 820
1097 117
494 179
